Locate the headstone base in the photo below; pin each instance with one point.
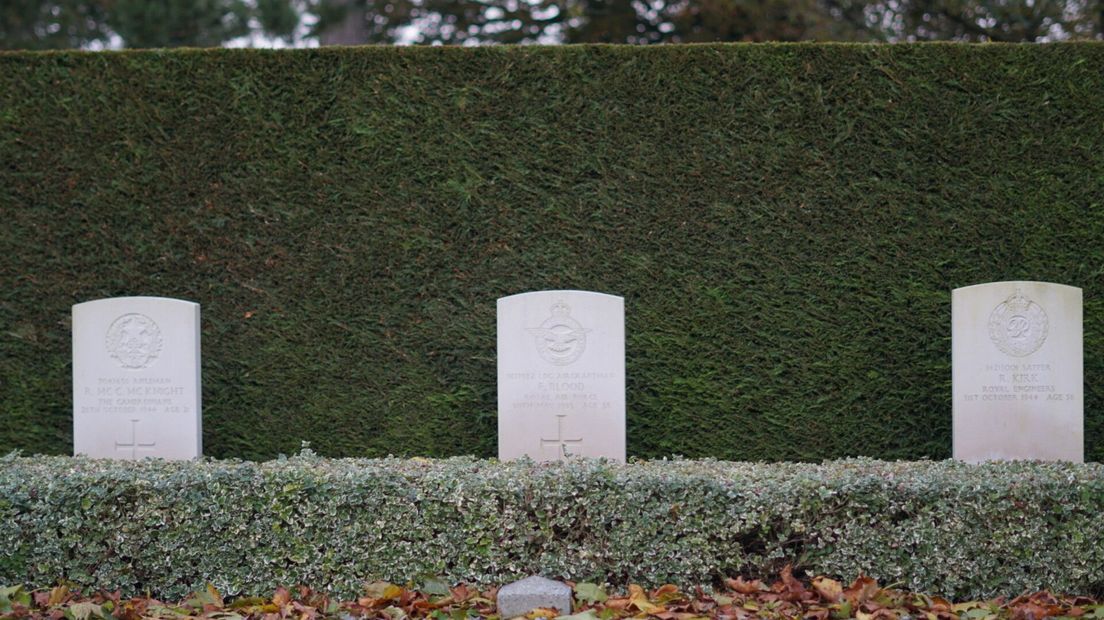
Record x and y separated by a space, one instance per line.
522 597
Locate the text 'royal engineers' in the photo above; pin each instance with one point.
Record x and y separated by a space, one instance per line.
1017 372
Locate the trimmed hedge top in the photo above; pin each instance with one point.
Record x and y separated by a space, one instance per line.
785 223
169 528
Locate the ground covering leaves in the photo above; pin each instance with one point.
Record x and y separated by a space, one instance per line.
819 598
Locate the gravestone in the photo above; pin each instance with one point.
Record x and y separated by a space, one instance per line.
136 387
1017 372
561 375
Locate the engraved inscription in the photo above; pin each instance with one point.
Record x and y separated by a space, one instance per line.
1018 326
134 395
134 340
561 391
560 339
1018 382
583 397
560 440
134 444
561 376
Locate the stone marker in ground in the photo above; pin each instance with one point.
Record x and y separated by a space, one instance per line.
136 387
522 597
561 375
1017 372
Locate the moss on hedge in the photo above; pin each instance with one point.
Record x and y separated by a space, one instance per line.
961 530
785 222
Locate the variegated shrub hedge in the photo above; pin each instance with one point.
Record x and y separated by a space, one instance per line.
169 528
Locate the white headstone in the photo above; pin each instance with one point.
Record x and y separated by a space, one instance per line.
136 389
1017 372
561 375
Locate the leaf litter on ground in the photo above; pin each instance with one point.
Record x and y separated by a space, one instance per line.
820 598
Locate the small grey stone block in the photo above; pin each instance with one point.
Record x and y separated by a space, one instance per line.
522 597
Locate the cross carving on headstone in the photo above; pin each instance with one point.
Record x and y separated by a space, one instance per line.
134 444
560 440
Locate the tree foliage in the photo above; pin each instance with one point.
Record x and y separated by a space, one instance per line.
34 24
44 24
47 24
673 21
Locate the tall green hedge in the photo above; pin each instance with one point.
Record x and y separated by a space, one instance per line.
785 223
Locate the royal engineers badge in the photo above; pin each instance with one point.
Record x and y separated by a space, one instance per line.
1018 326
134 340
560 339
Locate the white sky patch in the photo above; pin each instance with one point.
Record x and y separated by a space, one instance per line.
258 39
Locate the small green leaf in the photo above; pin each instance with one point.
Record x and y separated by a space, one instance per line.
590 593
14 595
841 610
249 601
607 613
435 587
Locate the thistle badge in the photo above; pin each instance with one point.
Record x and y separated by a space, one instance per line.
134 340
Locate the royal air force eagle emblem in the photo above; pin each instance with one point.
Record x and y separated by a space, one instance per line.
1018 326
134 340
560 339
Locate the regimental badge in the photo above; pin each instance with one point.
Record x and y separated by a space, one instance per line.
134 340
1018 326
560 339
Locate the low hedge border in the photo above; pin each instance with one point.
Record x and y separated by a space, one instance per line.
167 528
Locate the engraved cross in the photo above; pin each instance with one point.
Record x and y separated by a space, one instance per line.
134 444
560 440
